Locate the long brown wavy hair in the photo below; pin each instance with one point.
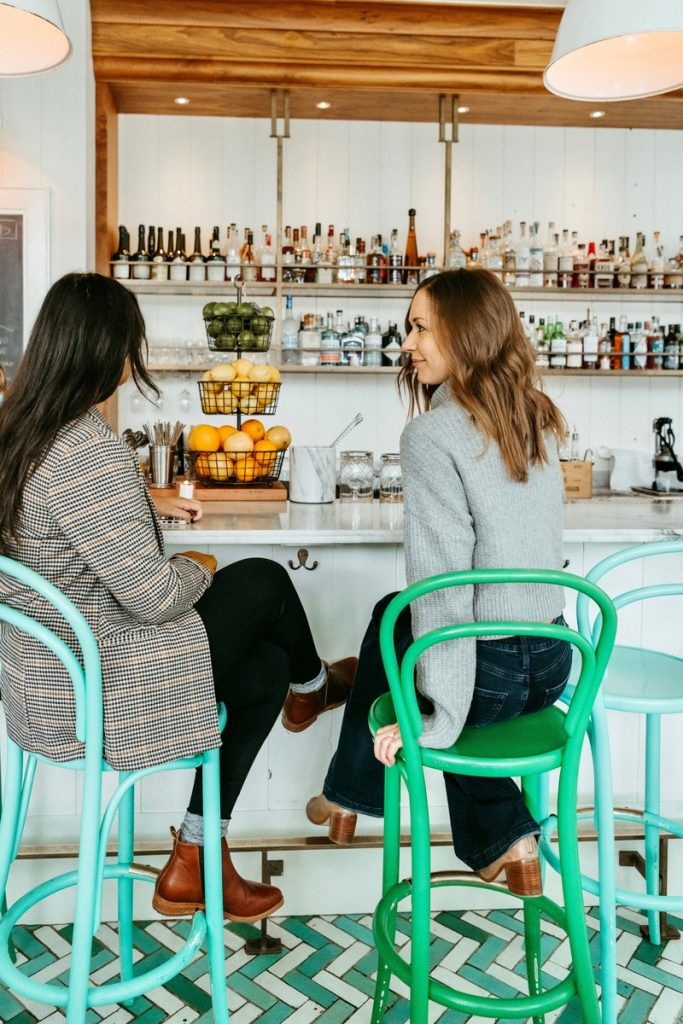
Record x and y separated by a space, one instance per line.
493 373
87 328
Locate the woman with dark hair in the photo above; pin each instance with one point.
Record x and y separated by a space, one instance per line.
172 638
483 489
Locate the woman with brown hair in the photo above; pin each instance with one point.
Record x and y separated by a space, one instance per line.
483 489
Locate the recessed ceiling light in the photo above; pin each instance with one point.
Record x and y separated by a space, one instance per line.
597 113
323 105
463 110
182 101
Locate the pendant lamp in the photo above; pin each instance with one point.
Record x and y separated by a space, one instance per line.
32 37
608 50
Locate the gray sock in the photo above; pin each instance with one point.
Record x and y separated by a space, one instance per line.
192 828
312 684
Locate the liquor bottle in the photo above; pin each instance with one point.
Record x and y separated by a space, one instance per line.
346 261
159 264
298 273
383 260
507 247
267 257
289 338
215 262
522 258
574 347
457 260
591 339
151 242
671 348
306 254
141 258
639 263
248 259
373 273
550 258
581 278
656 345
372 355
178 270
232 253
622 270
287 255
410 273
196 270
614 344
121 258
331 250
565 261
656 269
330 344
542 346
391 346
623 331
604 349
535 257
361 261
603 268
639 346
558 347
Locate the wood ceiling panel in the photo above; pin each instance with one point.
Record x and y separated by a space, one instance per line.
371 58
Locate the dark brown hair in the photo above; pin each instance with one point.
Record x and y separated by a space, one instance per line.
493 374
87 328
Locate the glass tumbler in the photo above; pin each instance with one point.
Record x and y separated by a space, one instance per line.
390 481
356 476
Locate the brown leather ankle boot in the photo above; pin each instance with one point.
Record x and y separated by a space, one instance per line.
179 888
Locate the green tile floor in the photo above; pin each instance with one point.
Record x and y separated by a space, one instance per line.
325 972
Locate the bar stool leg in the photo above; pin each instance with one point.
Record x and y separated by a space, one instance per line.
126 832
535 798
86 894
390 869
420 900
10 822
653 728
213 885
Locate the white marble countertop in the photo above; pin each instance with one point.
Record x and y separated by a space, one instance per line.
620 518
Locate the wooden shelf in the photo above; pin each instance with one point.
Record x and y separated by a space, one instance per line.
336 370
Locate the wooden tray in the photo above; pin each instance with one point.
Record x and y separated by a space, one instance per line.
276 492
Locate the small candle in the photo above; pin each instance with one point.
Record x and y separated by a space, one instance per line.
185 489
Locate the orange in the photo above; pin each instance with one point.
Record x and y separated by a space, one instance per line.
246 468
265 453
239 442
280 437
220 466
225 431
202 466
203 438
255 429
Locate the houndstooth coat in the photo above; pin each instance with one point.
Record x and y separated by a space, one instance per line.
88 525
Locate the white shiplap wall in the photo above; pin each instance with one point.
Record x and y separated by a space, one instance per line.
601 182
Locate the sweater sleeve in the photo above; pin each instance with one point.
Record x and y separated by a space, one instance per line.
434 492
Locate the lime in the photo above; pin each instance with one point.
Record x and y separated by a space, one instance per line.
245 309
233 324
207 310
267 311
246 339
232 307
214 328
226 342
259 324
220 309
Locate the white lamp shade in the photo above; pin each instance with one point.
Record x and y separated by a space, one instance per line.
609 50
32 37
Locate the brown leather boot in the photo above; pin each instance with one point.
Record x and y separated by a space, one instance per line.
179 888
320 811
302 709
521 866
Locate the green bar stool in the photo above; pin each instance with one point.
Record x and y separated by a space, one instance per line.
528 747
96 822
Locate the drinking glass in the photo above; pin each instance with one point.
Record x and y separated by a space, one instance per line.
356 476
390 481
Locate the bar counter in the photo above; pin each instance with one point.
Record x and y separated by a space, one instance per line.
614 518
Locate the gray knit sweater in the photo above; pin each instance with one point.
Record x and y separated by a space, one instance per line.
463 511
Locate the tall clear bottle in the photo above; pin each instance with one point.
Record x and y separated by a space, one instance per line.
536 255
457 258
411 273
395 259
522 258
232 253
550 258
159 264
289 336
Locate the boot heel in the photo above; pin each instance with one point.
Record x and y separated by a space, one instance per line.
524 877
342 827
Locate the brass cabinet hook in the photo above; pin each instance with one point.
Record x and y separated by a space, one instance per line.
302 555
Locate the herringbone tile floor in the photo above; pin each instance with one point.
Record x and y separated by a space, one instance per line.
325 972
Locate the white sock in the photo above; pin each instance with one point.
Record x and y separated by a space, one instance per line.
312 684
192 828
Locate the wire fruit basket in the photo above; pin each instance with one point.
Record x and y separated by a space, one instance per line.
239 396
216 469
238 326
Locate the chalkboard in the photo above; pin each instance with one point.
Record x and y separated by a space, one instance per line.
11 291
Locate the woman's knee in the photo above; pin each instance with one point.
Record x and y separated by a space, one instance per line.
257 573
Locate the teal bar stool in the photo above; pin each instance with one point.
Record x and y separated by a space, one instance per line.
96 822
528 747
642 682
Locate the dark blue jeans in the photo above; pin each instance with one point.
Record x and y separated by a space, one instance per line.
515 676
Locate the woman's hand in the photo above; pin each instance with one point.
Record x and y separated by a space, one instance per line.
208 561
188 509
387 744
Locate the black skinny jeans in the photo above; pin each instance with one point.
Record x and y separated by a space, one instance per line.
515 676
260 641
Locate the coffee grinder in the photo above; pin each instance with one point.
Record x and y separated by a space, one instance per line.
665 461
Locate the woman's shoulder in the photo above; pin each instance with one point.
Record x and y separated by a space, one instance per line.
441 425
89 433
